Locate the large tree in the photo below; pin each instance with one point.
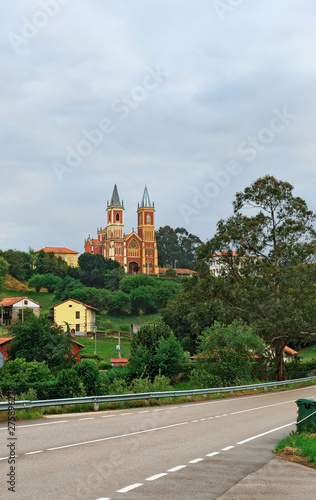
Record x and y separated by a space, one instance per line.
20 263
4 268
268 250
176 247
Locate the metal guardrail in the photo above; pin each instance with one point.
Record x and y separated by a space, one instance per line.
147 395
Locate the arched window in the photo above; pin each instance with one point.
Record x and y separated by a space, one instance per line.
117 217
148 219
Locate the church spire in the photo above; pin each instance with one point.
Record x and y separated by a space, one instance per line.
115 200
145 200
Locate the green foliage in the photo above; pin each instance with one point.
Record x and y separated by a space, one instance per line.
142 300
155 350
94 297
25 313
37 340
176 247
88 373
69 384
270 279
67 287
36 282
93 269
149 335
4 268
20 263
303 443
192 310
47 262
227 355
20 370
119 303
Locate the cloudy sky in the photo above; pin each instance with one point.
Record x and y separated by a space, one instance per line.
196 99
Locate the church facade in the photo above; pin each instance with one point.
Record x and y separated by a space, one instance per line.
136 251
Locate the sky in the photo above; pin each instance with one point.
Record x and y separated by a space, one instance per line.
195 99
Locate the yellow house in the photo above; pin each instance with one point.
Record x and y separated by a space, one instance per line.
70 256
80 317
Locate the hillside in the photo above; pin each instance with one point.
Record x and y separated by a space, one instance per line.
14 284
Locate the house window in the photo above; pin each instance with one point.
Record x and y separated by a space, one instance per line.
148 219
70 305
25 302
77 327
117 217
77 314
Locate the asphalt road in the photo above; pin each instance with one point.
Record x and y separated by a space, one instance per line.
188 451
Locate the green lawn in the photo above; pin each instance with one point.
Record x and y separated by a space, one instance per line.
308 354
107 323
106 347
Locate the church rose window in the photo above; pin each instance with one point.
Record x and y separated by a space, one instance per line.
133 244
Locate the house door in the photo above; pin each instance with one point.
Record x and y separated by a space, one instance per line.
1 359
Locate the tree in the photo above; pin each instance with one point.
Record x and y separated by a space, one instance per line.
47 262
19 370
20 263
154 351
37 340
4 267
119 303
88 373
273 267
176 247
93 269
36 282
227 354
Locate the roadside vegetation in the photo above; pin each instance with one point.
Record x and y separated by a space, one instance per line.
298 447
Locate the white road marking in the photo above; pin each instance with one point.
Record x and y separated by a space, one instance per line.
157 476
264 433
260 407
228 448
196 460
116 437
160 409
212 454
174 469
33 452
103 498
144 411
107 416
87 418
46 423
225 415
129 488
194 420
209 418
4 458
123 414
202 418
217 416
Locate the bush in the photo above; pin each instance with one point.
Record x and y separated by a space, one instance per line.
88 373
69 384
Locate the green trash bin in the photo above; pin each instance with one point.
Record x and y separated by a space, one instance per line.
306 415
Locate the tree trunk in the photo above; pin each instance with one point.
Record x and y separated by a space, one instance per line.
279 361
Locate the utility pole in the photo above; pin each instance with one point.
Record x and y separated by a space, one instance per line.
1 320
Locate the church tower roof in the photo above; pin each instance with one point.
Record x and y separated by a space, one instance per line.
115 200
145 200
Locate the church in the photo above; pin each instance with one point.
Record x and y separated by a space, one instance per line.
136 251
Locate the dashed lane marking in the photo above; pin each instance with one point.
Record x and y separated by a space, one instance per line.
196 460
33 452
178 467
228 448
213 454
130 487
157 476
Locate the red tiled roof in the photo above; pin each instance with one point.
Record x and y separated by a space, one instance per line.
74 300
78 343
179 270
56 250
288 350
122 360
4 340
10 301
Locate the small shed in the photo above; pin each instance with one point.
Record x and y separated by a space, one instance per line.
119 361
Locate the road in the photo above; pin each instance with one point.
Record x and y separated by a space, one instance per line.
191 450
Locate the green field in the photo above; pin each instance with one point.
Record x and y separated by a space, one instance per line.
308 354
106 347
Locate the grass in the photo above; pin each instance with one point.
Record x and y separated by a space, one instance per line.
308 354
302 446
122 323
106 347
